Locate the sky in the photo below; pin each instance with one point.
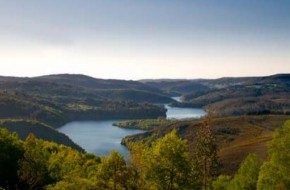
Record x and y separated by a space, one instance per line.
142 39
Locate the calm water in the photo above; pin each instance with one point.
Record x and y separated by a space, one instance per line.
100 137
183 113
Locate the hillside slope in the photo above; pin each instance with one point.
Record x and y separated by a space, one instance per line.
236 136
24 127
58 111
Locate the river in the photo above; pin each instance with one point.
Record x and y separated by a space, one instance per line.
101 137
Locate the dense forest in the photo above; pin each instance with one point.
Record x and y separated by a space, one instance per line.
169 163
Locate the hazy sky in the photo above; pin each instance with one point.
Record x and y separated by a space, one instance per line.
134 39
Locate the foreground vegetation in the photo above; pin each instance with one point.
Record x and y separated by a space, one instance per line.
272 174
24 127
166 164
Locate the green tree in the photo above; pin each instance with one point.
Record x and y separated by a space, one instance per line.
10 152
205 159
221 183
70 169
275 172
247 175
33 167
137 164
167 163
63 161
113 173
74 183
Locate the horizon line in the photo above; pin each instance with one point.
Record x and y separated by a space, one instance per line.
144 79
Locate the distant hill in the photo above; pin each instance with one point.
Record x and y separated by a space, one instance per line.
196 87
250 106
177 87
30 107
57 99
56 111
79 86
231 96
261 95
285 78
94 83
184 86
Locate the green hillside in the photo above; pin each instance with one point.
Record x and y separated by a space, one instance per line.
59 110
42 131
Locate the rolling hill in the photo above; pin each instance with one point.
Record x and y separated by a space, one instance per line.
231 96
79 86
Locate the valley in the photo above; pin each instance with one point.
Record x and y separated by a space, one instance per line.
101 137
95 117
144 95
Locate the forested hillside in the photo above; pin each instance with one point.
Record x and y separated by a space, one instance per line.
79 86
54 100
57 99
